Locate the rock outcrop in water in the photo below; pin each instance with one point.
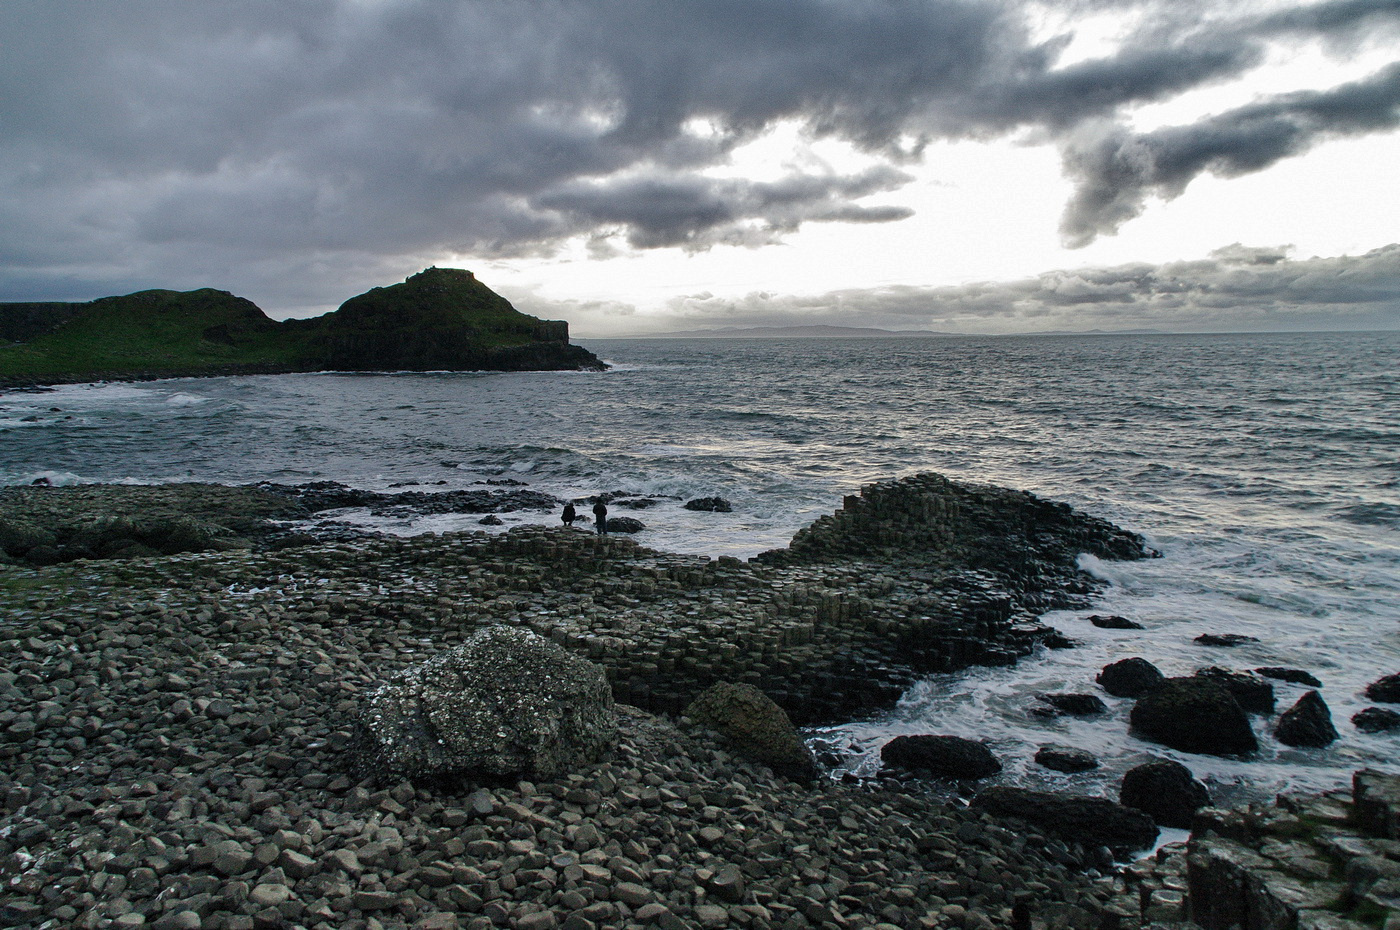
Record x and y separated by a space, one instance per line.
441 319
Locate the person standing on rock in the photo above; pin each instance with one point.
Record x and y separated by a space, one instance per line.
600 513
570 514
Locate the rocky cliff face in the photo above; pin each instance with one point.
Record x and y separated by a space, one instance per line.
440 319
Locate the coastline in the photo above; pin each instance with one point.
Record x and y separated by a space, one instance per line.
178 723
177 732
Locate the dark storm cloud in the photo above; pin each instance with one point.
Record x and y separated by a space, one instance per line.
1235 288
330 142
1116 171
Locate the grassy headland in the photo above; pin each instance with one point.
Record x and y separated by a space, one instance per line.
439 319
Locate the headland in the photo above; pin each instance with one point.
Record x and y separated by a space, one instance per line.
441 319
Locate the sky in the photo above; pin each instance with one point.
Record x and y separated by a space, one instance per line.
634 167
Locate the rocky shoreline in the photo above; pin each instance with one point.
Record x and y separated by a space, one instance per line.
175 727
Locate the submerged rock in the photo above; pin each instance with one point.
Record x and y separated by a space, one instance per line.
1164 790
1226 640
756 726
1077 705
1130 678
709 504
1294 675
1376 720
1385 690
1091 821
944 756
1065 759
1307 723
1114 623
1194 715
505 702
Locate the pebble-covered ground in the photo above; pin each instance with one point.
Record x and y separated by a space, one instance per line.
172 731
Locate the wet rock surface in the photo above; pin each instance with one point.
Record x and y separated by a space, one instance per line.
175 735
1194 715
941 756
1164 790
1096 821
755 727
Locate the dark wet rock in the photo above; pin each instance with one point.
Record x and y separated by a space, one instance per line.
1111 622
505 702
1226 640
1166 791
1065 759
491 520
756 726
637 503
1194 715
625 525
1385 690
1255 694
1091 821
1130 678
710 504
1078 705
1307 723
1293 675
943 756
1376 720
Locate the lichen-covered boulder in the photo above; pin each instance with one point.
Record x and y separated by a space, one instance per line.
625 525
1130 678
1307 723
1164 790
755 726
1091 821
505 702
1194 715
944 756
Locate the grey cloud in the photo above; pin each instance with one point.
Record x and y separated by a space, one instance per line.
151 141
1236 287
1115 171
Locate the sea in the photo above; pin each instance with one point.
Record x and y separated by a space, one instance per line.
1265 468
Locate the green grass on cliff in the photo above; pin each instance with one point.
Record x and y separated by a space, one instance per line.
441 318
152 332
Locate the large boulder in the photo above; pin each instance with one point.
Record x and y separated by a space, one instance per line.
1165 791
1076 705
755 726
1376 720
944 756
1091 821
1306 723
1255 694
1130 678
1194 715
504 703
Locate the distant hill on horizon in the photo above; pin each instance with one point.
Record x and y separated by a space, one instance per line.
814 331
824 331
441 319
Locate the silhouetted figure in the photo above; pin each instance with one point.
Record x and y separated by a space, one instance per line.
600 513
570 514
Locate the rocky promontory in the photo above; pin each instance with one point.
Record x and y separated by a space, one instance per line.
177 729
441 319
